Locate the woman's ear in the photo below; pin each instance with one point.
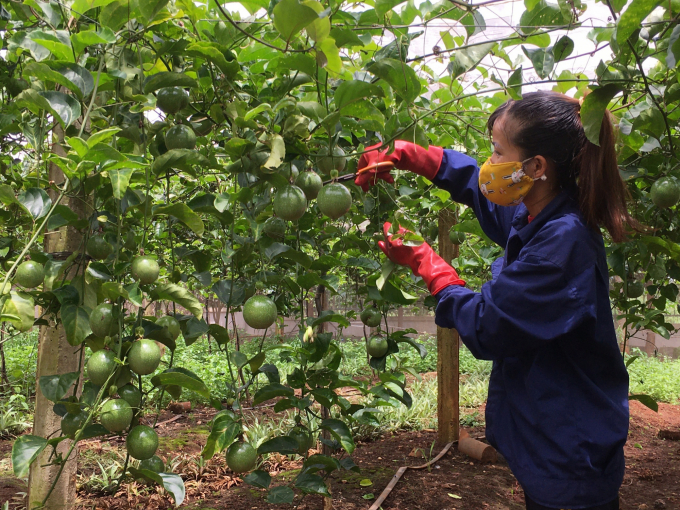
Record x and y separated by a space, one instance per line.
540 167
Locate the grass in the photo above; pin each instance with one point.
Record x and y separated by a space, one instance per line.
658 377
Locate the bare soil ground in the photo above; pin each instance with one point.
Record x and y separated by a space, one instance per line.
652 479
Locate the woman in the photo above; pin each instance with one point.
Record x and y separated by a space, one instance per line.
558 396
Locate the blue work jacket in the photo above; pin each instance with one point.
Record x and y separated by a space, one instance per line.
558 396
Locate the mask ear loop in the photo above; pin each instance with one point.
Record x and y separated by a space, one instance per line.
541 178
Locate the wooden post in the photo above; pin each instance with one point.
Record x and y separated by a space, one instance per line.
447 350
56 356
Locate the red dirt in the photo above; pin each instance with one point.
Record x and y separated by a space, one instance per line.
652 478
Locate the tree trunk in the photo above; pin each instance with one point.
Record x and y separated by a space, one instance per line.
447 350
56 356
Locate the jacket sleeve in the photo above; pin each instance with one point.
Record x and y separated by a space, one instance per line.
531 303
459 175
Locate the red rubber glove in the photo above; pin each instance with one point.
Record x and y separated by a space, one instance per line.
423 260
406 156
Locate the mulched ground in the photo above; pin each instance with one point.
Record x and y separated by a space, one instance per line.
652 479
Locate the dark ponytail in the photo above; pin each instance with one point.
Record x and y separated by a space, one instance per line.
549 124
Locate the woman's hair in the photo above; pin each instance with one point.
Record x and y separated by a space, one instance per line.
549 124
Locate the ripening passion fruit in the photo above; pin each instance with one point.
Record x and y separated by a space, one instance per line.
377 346
275 228
180 136
102 321
144 357
141 442
241 457
172 99
259 312
145 270
98 248
310 183
29 274
334 200
116 415
100 366
326 162
290 203
371 317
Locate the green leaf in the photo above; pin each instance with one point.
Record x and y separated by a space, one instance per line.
258 478
65 108
184 214
563 48
320 28
280 495
543 60
271 391
515 84
24 451
181 159
173 376
74 77
76 320
36 201
180 295
57 42
222 435
82 6
169 481
673 55
646 400
593 108
544 14
283 444
211 52
147 10
399 76
54 387
86 38
387 268
167 79
114 290
340 432
19 310
290 17
278 152
632 17
328 56
120 180
467 59
230 295
382 7
311 484
354 90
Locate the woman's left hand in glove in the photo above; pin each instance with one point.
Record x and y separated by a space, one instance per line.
422 260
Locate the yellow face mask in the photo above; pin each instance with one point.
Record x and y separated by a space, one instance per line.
505 183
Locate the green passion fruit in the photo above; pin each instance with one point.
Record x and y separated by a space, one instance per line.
102 321
310 183
116 415
180 136
457 237
145 270
635 289
172 99
144 357
241 457
303 438
334 200
131 395
259 312
377 346
326 162
275 228
371 317
665 192
171 323
29 274
100 366
154 464
290 203
72 423
98 248
141 442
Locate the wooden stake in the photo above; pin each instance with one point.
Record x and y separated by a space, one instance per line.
447 349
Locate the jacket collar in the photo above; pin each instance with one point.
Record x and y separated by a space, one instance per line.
558 206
